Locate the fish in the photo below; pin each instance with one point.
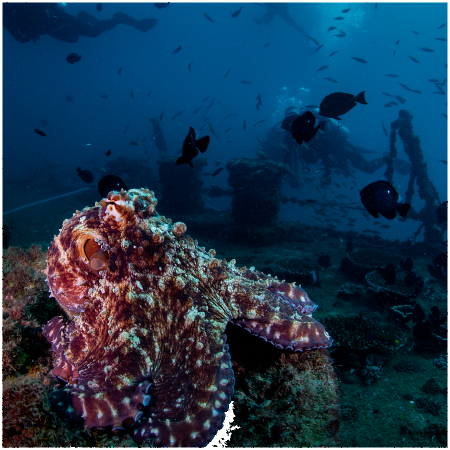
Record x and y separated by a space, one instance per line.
442 212
208 17
228 73
211 128
433 80
341 35
206 98
177 50
318 48
246 82
39 132
322 68
413 59
312 39
387 93
197 110
315 278
441 91
237 12
216 172
400 99
331 79
324 261
73 58
131 93
120 70
135 143
441 39
384 129
258 98
346 10
104 96
218 163
443 161
380 197
177 114
244 126
302 128
126 128
359 59
416 91
340 103
415 32
230 115
189 66
404 86
85 175
149 92
99 7
228 129
442 84
266 45
445 115
108 153
257 124
426 49
441 26
191 147
392 75
110 183
331 28
339 18
388 105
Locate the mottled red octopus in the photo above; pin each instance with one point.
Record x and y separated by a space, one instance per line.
144 341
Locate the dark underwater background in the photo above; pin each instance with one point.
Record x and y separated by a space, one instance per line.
155 82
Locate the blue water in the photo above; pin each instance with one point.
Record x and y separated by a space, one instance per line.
37 79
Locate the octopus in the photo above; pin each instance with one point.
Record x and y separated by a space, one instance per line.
143 341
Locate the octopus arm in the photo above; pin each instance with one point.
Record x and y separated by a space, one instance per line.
192 392
282 317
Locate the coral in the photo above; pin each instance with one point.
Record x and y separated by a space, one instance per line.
432 387
441 362
371 258
26 306
145 341
398 288
431 406
408 366
360 332
349 413
371 374
28 421
294 269
351 291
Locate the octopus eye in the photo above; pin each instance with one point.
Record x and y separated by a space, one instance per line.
98 259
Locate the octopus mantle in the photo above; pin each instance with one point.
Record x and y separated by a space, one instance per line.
148 310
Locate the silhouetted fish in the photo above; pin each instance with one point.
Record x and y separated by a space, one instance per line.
189 66
331 79
177 50
413 59
322 68
391 75
228 73
339 103
381 197
216 172
333 53
120 70
110 183
85 175
39 132
99 7
108 153
384 129
73 58
208 17
303 129
266 45
359 59
191 147
237 12
331 28
69 98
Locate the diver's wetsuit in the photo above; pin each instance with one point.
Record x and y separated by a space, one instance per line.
28 21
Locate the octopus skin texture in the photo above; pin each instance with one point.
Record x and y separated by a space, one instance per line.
144 343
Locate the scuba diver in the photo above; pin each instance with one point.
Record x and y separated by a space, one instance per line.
281 10
28 21
330 146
